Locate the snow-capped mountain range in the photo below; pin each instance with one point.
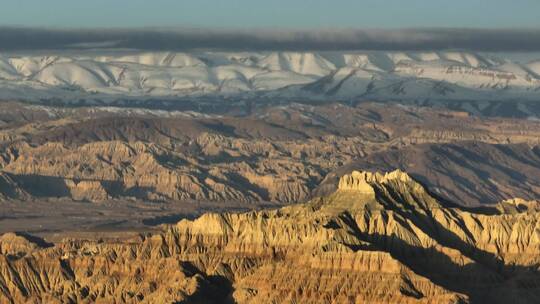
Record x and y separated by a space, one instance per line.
478 83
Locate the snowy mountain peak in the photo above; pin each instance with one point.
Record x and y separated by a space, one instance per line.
418 77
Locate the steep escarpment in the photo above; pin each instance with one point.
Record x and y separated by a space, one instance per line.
278 154
103 170
469 173
378 238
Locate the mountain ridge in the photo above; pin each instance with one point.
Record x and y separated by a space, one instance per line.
279 154
474 82
394 244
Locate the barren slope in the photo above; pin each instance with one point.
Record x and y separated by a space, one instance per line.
378 238
468 173
278 154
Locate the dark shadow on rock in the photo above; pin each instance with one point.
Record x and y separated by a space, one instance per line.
485 280
168 219
214 288
41 185
34 239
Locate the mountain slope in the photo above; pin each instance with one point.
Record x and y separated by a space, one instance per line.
379 238
466 173
277 154
475 82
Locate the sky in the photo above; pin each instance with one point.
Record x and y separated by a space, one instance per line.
478 25
271 14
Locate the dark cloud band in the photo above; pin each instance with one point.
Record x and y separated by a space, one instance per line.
12 39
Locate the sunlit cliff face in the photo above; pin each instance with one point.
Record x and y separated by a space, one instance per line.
378 238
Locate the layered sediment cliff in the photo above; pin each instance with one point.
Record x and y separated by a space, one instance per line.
276 154
380 238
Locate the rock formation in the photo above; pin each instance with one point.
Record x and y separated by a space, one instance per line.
278 154
379 238
466 173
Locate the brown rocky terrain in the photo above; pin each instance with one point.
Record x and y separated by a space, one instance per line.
379 238
268 176
277 154
468 173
